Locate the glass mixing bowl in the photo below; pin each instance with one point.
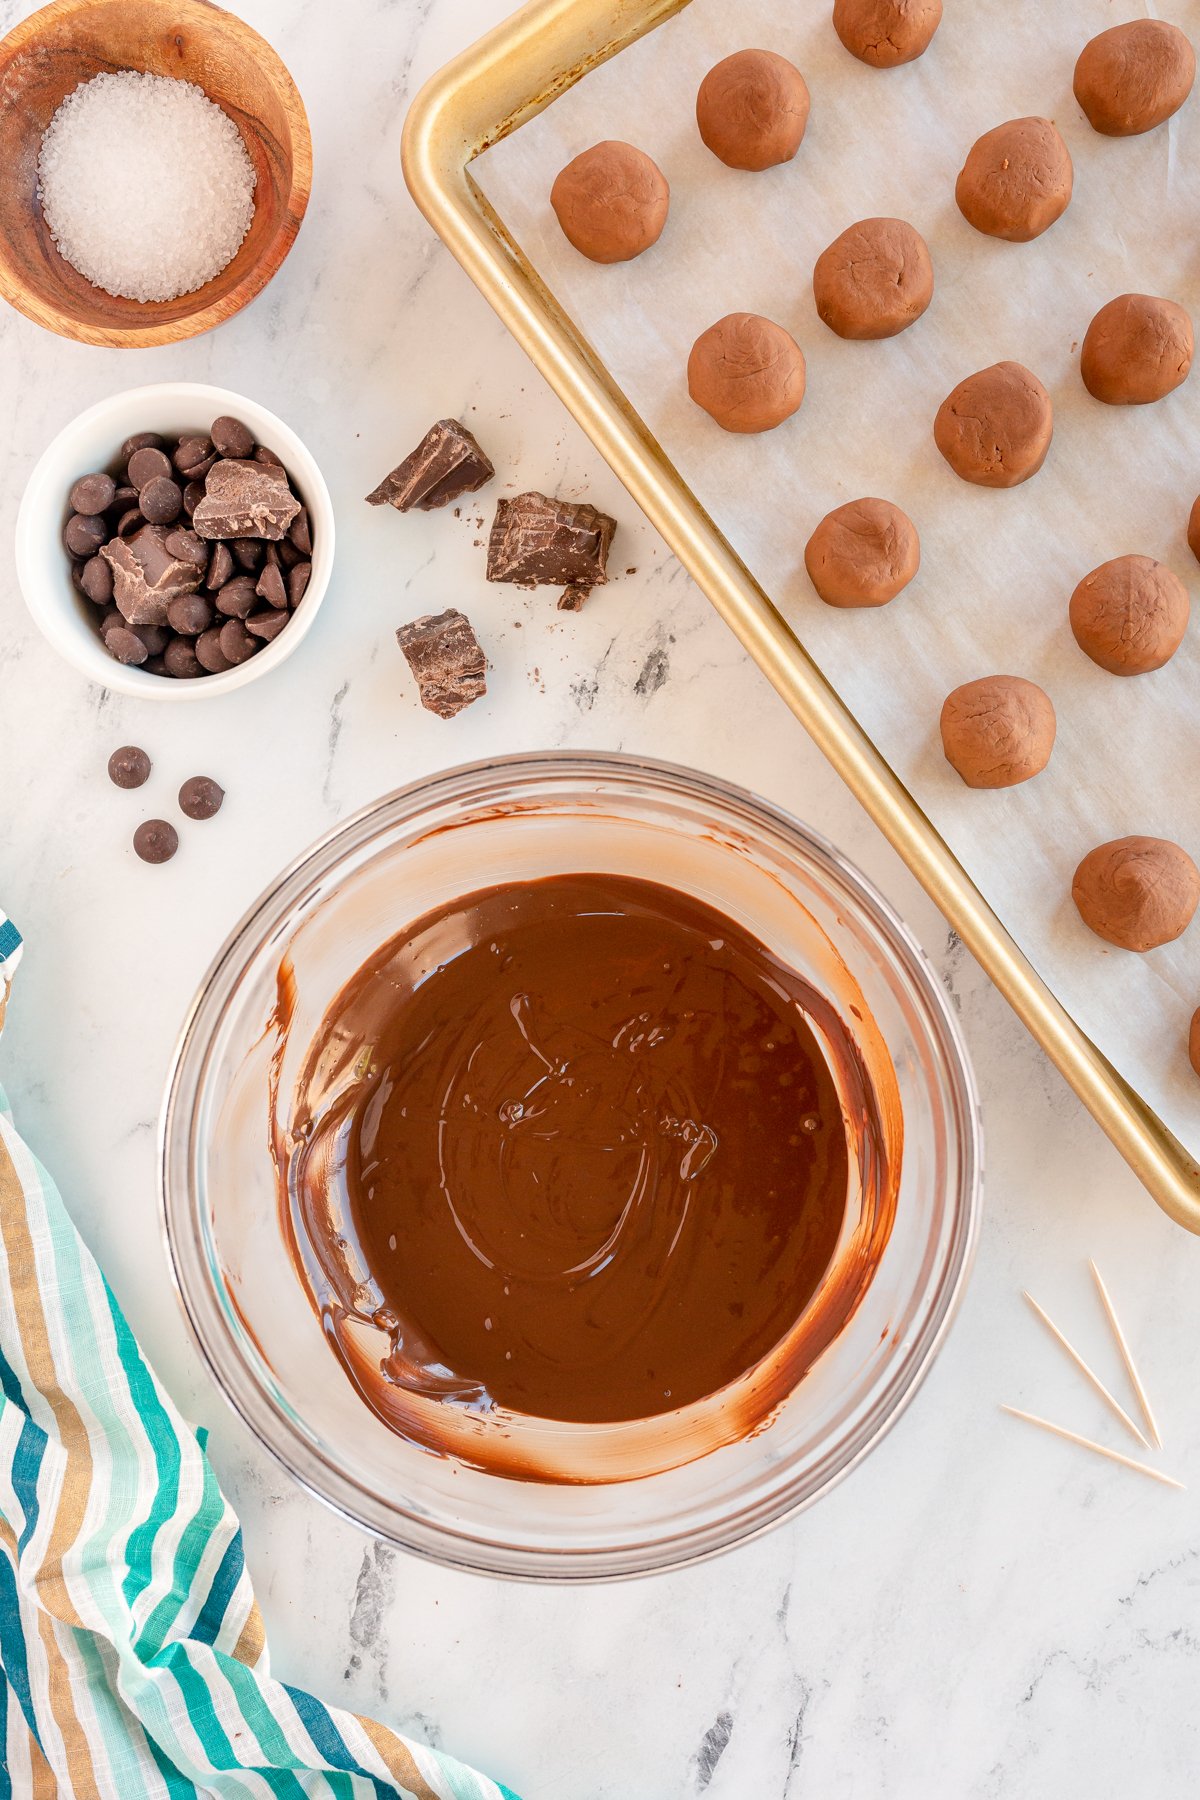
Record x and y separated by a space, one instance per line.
522 818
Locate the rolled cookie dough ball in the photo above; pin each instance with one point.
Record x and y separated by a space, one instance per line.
995 428
874 280
1132 77
747 373
1194 1041
885 33
1136 350
1137 892
862 554
998 731
611 201
1016 180
752 109
1130 614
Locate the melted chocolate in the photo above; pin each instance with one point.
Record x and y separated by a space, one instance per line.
570 1149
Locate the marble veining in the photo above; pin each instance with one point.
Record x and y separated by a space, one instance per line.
976 1611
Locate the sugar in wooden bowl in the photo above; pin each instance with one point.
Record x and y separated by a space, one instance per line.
230 212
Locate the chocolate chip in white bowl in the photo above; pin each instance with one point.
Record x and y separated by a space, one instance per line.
93 493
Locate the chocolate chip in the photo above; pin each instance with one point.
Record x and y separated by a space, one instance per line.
190 614
112 620
181 661
161 500
194 458
130 522
220 565
193 494
147 464
447 661
247 552
297 583
200 797
299 533
271 585
84 533
238 597
129 766
95 580
210 653
122 500
289 556
535 540
156 840
125 645
155 665
267 457
236 642
93 493
231 437
187 547
75 569
141 440
446 463
266 625
154 637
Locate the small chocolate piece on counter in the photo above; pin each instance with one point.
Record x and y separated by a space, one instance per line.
129 766
156 840
446 463
572 598
536 540
146 577
200 796
446 659
245 499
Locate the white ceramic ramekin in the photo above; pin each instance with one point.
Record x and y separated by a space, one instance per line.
91 442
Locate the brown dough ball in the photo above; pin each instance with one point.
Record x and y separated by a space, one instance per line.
862 554
886 33
1194 1041
874 280
752 109
994 429
747 373
1016 180
1136 350
1130 614
1137 892
998 731
1132 77
611 202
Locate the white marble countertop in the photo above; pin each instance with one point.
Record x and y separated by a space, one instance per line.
978 1610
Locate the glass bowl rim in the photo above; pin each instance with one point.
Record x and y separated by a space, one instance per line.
434 1540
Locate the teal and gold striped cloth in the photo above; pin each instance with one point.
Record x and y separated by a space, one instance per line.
133 1662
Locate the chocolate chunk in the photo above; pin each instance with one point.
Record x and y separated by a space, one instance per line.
161 500
572 598
156 840
536 540
271 585
187 546
146 577
237 598
129 766
247 552
236 643
84 533
141 440
245 499
446 463
446 659
148 464
231 438
210 653
190 614
125 645
267 625
200 797
96 581
93 493
300 534
180 660
220 566
297 582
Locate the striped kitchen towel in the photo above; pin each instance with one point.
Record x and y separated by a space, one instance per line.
133 1663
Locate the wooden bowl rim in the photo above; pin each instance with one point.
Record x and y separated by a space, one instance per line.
24 35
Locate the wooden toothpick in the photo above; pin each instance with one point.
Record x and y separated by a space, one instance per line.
1127 1356
1073 1437
1085 1369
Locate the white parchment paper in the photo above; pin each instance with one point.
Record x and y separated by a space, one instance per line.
997 568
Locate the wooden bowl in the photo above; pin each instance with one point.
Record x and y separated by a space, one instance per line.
66 43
